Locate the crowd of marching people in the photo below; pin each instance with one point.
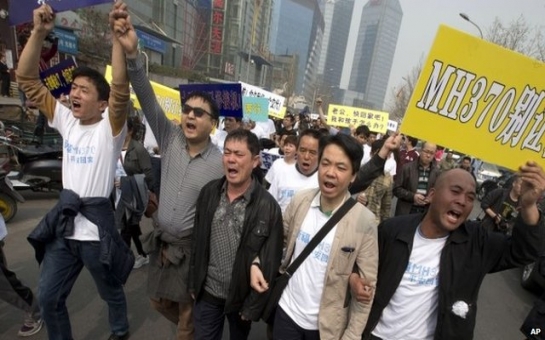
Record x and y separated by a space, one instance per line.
310 247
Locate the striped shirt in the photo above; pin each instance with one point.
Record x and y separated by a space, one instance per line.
423 179
182 176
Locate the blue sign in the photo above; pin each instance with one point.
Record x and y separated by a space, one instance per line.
68 42
58 79
227 96
256 109
20 11
151 42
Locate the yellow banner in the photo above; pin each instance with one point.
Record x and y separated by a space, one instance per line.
480 99
169 99
346 116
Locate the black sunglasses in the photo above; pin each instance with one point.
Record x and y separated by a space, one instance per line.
197 111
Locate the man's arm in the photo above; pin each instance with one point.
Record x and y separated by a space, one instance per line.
490 200
528 239
270 256
367 264
399 190
119 89
155 116
375 167
28 70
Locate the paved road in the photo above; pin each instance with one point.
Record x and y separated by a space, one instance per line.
503 304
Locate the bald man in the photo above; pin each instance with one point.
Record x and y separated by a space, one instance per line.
432 266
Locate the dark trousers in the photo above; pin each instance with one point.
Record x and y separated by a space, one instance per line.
133 232
209 318
63 261
286 329
13 291
6 83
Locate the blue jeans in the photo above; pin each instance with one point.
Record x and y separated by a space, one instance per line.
61 266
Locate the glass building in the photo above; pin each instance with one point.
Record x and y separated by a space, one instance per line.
297 29
375 48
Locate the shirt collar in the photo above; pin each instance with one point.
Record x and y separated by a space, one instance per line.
247 195
316 201
205 152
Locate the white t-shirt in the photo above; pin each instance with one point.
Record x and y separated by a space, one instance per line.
411 314
218 138
149 138
268 127
259 132
366 154
285 186
390 167
278 168
301 297
90 155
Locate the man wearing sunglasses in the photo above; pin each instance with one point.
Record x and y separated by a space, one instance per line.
189 160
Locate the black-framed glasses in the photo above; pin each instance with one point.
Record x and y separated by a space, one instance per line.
197 111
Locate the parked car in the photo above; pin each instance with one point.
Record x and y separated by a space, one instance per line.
484 171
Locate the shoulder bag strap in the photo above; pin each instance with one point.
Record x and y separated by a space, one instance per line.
320 236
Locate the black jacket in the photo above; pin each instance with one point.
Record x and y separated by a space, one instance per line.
367 174
59 222
469 254
262 235
494 201
406 184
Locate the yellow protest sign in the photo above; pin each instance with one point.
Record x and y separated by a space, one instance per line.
346 116
168 99
480 99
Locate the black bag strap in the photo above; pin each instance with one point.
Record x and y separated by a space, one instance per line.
347 205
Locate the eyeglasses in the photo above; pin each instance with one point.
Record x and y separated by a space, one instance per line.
197 111
429 152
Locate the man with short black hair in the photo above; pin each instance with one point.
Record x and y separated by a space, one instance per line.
236 221
80 230
431 266
314 305
189 161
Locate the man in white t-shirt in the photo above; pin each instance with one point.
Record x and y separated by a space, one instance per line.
314 305
80 231
432 265
300 175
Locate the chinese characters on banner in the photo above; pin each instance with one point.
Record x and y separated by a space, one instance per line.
216 30
20 11
462 102
256 108
276 102
227 96
58 79
267 159
346 116
392 125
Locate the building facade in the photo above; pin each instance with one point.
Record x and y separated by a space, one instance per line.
337 14
375 49
297 29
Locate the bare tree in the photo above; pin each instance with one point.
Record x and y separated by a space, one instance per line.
518 36
401 93
94 41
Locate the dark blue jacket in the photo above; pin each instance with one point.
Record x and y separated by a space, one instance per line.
469 254
59 222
